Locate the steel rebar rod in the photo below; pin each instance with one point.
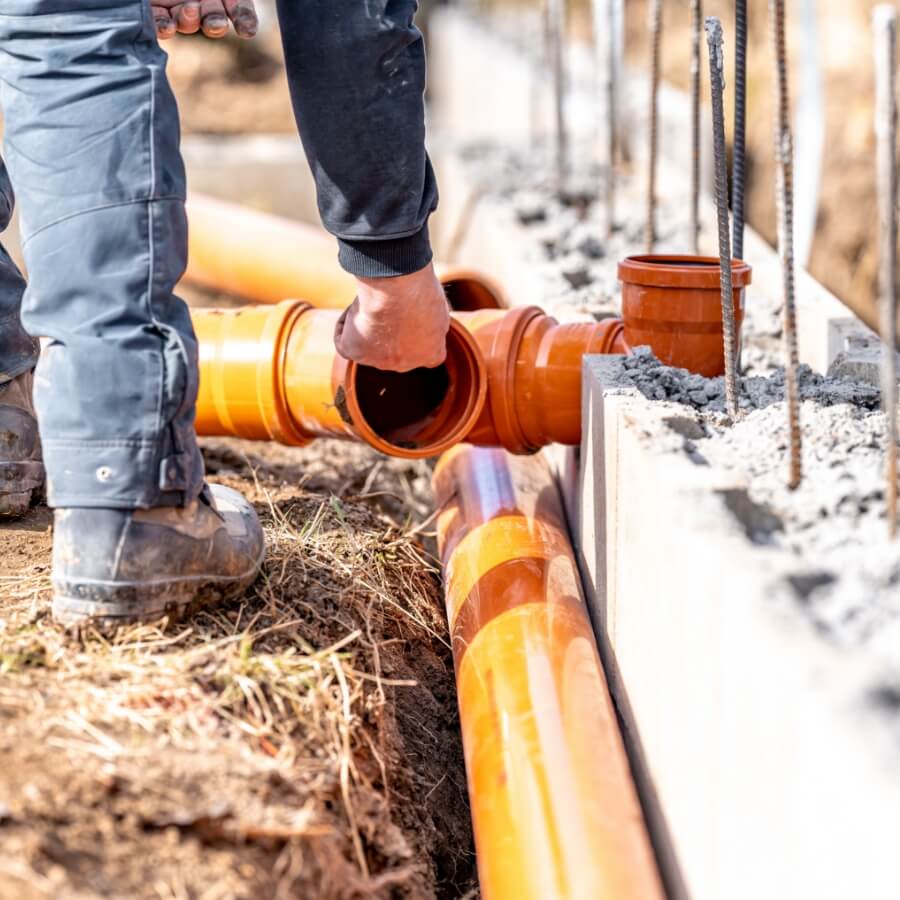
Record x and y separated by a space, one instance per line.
784 201
885 28
612 117
716 42
696 41
739 153
556 36
653 124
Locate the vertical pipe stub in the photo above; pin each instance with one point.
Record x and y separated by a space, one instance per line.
673 304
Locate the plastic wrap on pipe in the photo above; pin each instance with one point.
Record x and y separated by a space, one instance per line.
266 259
554 809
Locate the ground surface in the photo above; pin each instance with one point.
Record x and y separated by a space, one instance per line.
302 742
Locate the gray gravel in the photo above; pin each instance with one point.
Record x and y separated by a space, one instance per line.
847 578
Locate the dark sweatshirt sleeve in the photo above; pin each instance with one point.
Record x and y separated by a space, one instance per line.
356 70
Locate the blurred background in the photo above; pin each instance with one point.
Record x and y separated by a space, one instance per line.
227 87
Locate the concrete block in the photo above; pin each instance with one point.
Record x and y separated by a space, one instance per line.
765 777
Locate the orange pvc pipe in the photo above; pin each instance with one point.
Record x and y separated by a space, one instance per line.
264 258
272 373
534 375
554 809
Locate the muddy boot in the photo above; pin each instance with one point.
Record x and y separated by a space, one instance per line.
21 469
112 567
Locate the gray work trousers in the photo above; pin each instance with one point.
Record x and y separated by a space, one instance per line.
92 146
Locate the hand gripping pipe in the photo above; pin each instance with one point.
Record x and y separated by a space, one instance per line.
554 809
267 259
512 379
271 373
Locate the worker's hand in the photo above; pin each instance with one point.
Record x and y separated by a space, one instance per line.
397 324
209 16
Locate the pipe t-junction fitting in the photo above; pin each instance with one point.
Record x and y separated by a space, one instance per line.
512 379
534 375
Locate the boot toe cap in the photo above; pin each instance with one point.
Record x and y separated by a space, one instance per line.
241 521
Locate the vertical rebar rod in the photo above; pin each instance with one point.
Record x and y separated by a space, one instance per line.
696 41
784 201
716 42
885 27
556 36
739 152
653 124
612 115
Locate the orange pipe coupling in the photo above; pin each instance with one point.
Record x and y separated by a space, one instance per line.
272 373
267 259
554 809
534 375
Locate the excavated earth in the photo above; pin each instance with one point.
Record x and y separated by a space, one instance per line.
301 742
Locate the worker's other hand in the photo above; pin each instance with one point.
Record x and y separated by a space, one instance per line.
212 17
397 324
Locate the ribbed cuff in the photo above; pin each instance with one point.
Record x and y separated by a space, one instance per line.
386 258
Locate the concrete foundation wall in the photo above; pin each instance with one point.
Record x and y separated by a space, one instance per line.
765 777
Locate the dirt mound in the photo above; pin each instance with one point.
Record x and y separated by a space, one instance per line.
302 742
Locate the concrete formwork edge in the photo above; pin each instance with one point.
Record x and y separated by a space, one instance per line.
764 776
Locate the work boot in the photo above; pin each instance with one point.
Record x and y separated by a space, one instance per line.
21 469
112 566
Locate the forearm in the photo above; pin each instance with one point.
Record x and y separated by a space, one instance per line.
357 77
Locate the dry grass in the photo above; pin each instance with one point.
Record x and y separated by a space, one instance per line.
281 746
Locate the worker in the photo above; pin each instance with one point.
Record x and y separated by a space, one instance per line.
92 147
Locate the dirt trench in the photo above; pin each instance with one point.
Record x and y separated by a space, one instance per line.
301 742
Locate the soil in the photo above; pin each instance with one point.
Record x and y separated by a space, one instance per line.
300 742
230 86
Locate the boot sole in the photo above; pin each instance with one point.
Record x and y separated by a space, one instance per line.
106 605
20 485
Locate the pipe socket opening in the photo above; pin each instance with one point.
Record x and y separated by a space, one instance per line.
467 293
423 412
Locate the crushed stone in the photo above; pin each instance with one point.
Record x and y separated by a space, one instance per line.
660 382
847 578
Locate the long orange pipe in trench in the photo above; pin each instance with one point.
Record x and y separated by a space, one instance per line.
554 808
266 258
